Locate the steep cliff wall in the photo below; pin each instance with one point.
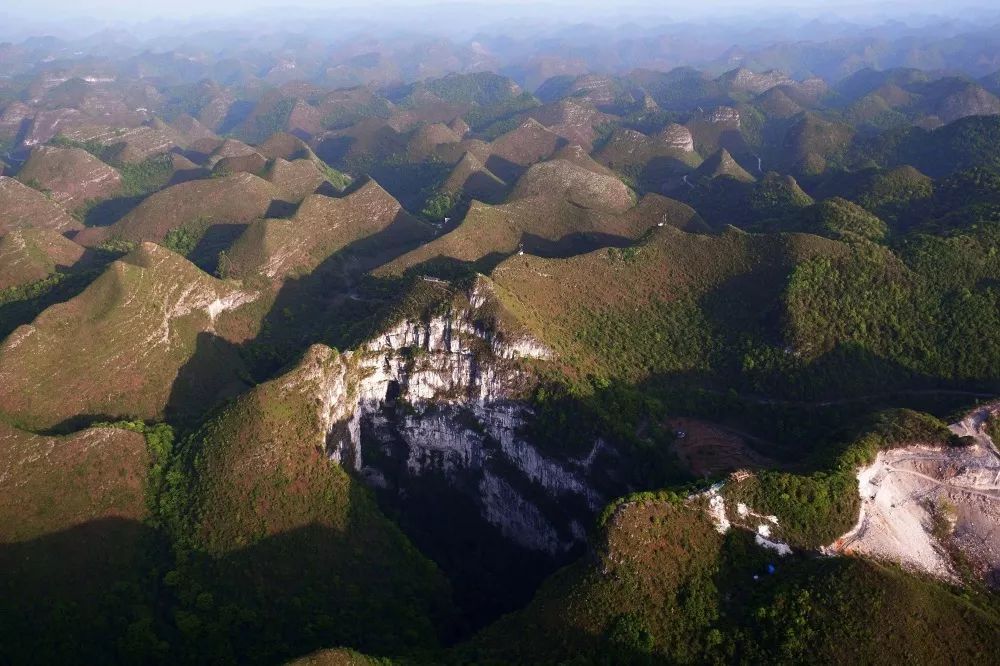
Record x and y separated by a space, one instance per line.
442 397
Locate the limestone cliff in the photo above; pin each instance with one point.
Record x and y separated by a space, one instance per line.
442 397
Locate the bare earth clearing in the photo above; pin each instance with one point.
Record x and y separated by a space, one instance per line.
919 503
708 448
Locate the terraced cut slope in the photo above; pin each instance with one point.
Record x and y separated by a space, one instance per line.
139 342
921 504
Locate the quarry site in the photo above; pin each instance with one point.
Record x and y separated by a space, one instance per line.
931 508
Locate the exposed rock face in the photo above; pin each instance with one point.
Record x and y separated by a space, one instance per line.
921 504
583 186
724 115
463 423
442 399
678 137
743 79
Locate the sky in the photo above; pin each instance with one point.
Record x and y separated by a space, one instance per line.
21 18
146 9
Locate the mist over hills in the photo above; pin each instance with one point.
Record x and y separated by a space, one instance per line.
829 40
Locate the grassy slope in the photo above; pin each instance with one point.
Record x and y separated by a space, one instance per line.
235 199
785 313
22 207
339 657
636 312
277 529
117 349
666 587
72 547
71 174
322 226
51 483
547 225
29 255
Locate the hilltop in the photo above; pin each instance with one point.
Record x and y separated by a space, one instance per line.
195 206
72 175
30 255
124 347
584 184
22 207
320 227
542 224
471 178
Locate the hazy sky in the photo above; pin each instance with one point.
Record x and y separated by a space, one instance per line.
458 18
145 9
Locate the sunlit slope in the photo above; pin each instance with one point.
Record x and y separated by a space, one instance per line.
139 342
